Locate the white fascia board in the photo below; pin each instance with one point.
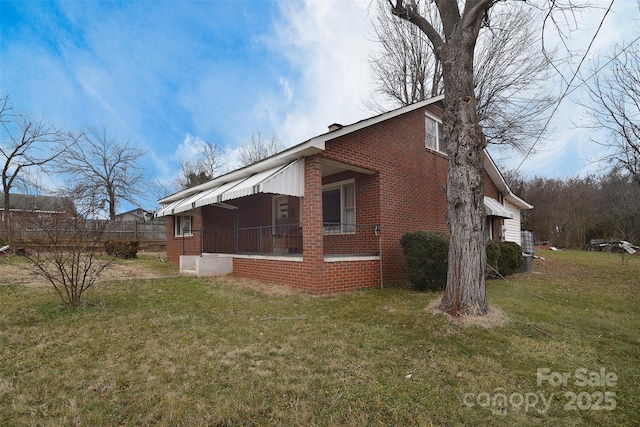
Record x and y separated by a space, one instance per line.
379 118
498 179
494 173
308 148
305 149
517 201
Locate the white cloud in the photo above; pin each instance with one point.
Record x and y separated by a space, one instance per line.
189 148
329 43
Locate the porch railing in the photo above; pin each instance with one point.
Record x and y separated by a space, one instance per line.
285 239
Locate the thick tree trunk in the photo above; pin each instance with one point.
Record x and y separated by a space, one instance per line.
465 293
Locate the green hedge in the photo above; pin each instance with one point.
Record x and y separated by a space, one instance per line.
122 248
426 255
493 258
511 258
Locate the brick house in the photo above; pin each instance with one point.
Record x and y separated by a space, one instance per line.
327 215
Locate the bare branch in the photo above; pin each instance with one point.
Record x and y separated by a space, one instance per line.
258 149
104 172
27 145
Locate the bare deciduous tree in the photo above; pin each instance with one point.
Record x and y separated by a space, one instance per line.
205 168
27 146
454 39
258 149
570 212
510 69
406 70
615 106
465 292
618 207
104 172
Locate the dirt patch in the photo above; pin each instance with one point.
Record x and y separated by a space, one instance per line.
19 274
494 318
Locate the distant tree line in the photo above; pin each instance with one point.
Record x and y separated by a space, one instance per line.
569 212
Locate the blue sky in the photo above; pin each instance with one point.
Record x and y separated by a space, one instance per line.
166 74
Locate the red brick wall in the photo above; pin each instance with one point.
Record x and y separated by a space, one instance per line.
335 277
189 245
407 193
410 186
411 182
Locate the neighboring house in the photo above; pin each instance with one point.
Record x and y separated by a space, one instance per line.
26 205
136 215
327 215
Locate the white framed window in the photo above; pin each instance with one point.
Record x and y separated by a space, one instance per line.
434 138
339 207
183 225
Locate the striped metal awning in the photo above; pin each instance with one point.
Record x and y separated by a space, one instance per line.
287 179
494 208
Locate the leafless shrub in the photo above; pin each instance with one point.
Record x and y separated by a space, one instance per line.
66 252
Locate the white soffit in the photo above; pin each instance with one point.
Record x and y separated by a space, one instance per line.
495 208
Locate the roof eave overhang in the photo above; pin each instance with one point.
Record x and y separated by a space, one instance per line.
308 148
501 184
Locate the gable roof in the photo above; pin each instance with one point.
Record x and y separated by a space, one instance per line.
304 149
501 184
280 161
37 203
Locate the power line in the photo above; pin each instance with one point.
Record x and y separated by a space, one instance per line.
567 92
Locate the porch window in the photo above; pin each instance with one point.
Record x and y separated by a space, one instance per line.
183 225
434 134
339 207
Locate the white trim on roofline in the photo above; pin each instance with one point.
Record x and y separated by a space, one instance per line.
308 148
498 179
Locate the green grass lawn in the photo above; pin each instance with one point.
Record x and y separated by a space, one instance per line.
192 352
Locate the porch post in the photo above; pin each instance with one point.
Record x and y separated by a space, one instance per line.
312 229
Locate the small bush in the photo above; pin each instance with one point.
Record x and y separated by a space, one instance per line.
122 248
511 258
426 257
493 257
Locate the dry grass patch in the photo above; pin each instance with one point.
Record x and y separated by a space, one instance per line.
261 287
15 270
197 352
493 319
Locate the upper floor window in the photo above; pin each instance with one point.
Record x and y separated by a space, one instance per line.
434 134
183 225
339 207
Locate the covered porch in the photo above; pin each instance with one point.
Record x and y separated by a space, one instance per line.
282 224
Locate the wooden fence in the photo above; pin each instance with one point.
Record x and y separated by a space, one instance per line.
142 231
113 230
